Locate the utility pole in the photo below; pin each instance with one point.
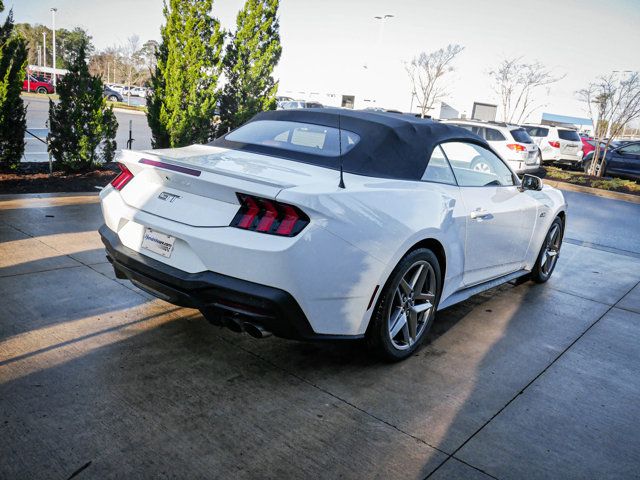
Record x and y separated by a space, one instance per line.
53 28
44 49
39 56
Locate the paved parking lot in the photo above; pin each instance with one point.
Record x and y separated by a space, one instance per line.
100 380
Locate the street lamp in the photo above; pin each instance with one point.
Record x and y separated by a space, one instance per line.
53 28
44 49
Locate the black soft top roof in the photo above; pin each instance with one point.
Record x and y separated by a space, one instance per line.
391 145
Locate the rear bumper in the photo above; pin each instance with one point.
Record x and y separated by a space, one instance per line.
219 297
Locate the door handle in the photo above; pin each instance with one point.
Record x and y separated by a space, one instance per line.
480 213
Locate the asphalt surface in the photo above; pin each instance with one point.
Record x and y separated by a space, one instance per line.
99 380
38 115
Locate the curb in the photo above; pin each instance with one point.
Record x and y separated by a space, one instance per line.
625 197
128 110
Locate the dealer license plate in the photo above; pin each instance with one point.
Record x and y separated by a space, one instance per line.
157 242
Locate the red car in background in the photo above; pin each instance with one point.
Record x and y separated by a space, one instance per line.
588 145
32 84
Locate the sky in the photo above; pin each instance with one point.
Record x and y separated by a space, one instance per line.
327 44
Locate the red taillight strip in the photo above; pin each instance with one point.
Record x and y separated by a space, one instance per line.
252 212
288 222
170 166
269 216
122 178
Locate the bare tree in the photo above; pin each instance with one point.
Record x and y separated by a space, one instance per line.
132 63
425 73
613 103
516 83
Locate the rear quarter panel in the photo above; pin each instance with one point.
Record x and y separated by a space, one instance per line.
386 218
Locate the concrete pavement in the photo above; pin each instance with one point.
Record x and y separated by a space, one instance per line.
527 381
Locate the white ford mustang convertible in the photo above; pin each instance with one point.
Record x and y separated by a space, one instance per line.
329 224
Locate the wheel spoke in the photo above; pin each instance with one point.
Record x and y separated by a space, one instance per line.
421 279
405 287
423 307
417 277
412 318
405 333
429 297
399 320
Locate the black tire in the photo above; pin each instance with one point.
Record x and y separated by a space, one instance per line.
541 272
112 98
378 335
41 90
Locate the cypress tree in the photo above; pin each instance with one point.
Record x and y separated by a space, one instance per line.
184 85
13 112
82 129
250 58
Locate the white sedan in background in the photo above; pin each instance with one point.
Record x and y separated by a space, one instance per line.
262 232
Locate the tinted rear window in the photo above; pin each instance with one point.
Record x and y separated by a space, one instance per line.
521 135
569 135
537 131
295 136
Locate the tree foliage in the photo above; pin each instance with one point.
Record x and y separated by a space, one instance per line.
13 123
516 83
613 103
82 128
67 43
250 59
184 85
426 71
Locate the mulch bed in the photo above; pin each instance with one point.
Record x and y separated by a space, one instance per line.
34 178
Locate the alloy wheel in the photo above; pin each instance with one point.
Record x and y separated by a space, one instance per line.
412 305
551 250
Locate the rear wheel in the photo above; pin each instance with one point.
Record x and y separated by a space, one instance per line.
548 256
41 90
406 306
479 164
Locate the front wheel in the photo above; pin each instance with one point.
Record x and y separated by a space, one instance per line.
41 90
113 98
406 306
548 256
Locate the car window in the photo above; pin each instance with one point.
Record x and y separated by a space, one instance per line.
475 166
471 128
296 136
438 169
633 149
493 135
521 135
570 135
537 131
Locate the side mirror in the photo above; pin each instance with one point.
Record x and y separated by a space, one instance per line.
530 182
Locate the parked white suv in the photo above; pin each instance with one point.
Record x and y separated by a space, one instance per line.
557 144
511 142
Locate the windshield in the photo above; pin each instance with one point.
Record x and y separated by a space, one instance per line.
295 136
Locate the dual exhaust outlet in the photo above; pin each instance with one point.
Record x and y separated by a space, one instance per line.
238 326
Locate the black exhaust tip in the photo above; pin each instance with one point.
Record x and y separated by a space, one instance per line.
256 331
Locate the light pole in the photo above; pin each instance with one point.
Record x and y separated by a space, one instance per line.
383 20
53 28
44 49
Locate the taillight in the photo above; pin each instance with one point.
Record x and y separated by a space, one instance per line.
123 177
268 216
517 147
555 144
